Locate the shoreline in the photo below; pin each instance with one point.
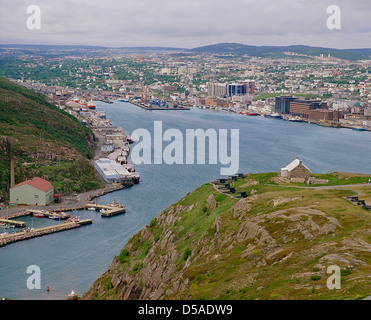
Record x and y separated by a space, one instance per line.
287 118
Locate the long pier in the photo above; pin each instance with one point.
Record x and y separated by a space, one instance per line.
37 232
51 214
147 107
106 211
14 222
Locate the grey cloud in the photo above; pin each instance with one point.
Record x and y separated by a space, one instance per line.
187 23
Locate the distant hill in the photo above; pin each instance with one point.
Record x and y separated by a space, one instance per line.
79 50
238 48
45 141
219 48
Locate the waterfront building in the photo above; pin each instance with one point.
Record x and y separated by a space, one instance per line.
112 171
107 147
302 107
325 115
36 191
282 104
216 89
296 171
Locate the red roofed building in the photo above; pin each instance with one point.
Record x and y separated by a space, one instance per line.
35 191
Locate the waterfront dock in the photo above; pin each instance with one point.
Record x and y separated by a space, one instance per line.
13 222
106 210
37 232
49 214
148 107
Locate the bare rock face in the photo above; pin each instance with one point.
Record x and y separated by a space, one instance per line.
211 202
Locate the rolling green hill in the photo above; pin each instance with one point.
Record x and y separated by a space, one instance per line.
277 243
45 141
278 51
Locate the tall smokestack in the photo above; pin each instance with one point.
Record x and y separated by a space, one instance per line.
12 180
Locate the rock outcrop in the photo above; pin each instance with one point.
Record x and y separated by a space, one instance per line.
260 247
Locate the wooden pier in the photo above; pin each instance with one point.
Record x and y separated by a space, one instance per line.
105 210
37 232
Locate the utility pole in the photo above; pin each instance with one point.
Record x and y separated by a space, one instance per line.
12 165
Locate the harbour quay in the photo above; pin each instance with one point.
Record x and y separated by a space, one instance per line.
106 210
28 233
112 171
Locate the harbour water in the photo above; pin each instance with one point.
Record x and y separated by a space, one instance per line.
74 259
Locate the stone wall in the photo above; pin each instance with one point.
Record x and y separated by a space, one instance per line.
300 172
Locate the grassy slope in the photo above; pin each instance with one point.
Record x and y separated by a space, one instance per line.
54 144
251 248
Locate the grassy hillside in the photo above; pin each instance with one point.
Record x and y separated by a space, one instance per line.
278 51
44 140
275 244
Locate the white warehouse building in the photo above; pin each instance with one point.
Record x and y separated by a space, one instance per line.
111 171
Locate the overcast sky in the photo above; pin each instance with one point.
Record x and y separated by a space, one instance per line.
187 23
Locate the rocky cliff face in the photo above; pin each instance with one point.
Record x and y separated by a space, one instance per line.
275 244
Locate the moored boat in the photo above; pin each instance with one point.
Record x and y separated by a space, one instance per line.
55 217
73 219
115 204
273 115
38 215
358 128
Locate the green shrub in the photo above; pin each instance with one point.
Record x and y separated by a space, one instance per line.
153 223
345 272
124 256
186 254
137 267
109 284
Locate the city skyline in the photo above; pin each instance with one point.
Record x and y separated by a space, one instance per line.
187 23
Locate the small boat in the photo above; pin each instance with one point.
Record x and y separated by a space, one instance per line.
358 128
74 219
91 105
54 216
38 215
273 115
296 119
91 209
115 204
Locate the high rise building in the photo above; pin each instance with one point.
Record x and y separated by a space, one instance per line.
282 104
246 88
216 89
236 89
